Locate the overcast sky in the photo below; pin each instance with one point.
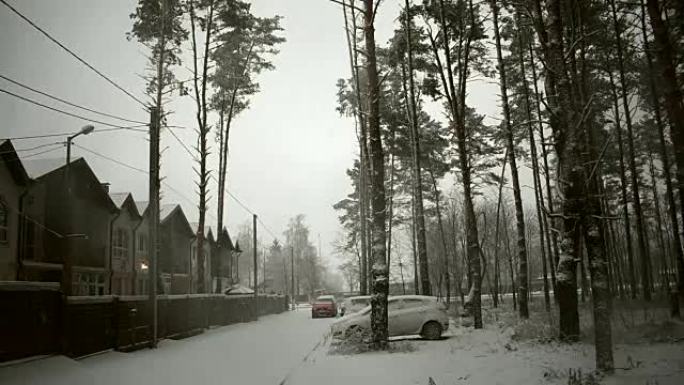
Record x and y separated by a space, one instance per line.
289 151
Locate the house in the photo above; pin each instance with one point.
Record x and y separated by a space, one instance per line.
222 262
175 238
72 226
194 266
13 184
122 245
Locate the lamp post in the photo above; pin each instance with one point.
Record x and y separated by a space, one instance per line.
67 276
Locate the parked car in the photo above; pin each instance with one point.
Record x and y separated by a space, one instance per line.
324 306
407 315
354 304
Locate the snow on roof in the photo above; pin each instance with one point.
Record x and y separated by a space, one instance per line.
119 198
142 206
35 168
166 210
239 289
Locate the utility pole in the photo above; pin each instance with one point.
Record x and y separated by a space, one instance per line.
153 219
292 278
153 205
254 249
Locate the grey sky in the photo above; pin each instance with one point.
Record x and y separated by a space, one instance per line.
289 151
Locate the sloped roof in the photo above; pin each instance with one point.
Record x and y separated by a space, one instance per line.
166 210
39 167
119 198
142 206
9 156
122 199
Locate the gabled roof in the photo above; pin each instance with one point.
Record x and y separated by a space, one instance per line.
167 211
124 201
119 198
225 237
142 206
39 169
11 160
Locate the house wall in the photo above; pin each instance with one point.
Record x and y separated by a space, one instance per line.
174 256
195 267
83 211
9 197
123 255
141 256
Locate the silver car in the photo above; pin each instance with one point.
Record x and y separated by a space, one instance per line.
407 315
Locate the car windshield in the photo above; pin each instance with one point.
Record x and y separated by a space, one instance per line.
325 300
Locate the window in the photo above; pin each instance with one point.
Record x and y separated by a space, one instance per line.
414 302
4 222
394 305
89 284
120 248
142 243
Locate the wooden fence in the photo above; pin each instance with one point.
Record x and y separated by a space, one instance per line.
43 321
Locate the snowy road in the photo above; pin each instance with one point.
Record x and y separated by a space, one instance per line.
262 352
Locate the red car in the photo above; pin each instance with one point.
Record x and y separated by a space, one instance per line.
324 306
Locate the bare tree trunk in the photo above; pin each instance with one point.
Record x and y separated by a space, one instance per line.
511 265
535 169
203 129
664 279
457 111
636 199
570 176
551 236
417 181
380 287
510 150
447 280
362 136
623 190
665 159
496 233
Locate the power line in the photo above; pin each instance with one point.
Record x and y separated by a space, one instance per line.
120 163
182 144
30 149
250 211
68 102
64 134
42 152
66 112
71 52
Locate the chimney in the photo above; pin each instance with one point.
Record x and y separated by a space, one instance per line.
105 186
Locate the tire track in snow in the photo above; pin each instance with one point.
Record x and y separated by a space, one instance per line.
322 342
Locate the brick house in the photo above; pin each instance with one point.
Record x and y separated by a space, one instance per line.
75 221
122 245
13 184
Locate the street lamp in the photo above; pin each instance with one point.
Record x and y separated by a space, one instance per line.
85 130
67 266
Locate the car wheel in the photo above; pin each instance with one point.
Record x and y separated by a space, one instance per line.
431 331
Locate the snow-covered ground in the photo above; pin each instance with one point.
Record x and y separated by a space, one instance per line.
488 357
261 352
293 349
